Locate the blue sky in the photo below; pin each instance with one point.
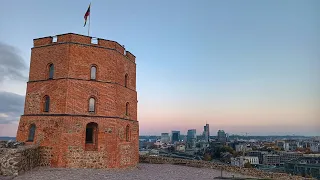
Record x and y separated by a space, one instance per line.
242 66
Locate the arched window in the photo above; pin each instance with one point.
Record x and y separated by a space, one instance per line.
46 104
91 136
93 72
126 80
51 71
128 133
92 104
32 131
127 109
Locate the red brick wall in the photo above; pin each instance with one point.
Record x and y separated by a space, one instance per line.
56 54
63 128
55 89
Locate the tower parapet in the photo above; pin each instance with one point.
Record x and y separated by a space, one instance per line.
85 40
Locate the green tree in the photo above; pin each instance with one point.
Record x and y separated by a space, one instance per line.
171 149
228 149
207 157
248 165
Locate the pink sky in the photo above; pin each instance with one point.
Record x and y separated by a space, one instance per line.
246 66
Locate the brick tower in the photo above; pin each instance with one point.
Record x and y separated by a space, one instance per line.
81 103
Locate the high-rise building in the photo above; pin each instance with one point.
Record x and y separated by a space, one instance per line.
165 138
227 137
191 138
315 147
221 136
206 133
81 102
175 136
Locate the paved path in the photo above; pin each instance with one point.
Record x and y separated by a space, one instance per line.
142 172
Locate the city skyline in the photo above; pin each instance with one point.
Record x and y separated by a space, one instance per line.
244 67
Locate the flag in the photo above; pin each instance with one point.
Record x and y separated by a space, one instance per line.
86 15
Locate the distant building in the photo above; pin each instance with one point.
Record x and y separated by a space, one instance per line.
288 156
317 138
165 138
175 136
240 161
291 145
281 144
242 147
200 137
227 137
311 155
258 154
206 133
305 166
181 148
315 147
183 138
191 138
271 159
158 143
203 145
221 136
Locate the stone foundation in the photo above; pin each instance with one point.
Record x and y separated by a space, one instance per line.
14 161
205 164
16 158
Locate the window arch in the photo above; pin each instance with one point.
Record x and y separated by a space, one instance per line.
91 139
128 133
50 71
127 109
92 104
46 104
32 131
93 72
126 80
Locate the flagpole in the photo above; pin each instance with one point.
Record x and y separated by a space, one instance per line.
89 26
89 20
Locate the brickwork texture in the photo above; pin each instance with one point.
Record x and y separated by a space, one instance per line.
63 130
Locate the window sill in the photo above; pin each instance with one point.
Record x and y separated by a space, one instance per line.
91 147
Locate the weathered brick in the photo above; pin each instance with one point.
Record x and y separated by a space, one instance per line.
61 131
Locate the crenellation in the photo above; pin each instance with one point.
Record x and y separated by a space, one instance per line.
107 43
42 41
85 40
75 38
130 56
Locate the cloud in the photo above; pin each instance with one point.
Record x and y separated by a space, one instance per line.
11 107
11 64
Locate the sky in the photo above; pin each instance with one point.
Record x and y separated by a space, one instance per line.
242 66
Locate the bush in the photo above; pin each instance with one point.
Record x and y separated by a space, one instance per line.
207 157
248 165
